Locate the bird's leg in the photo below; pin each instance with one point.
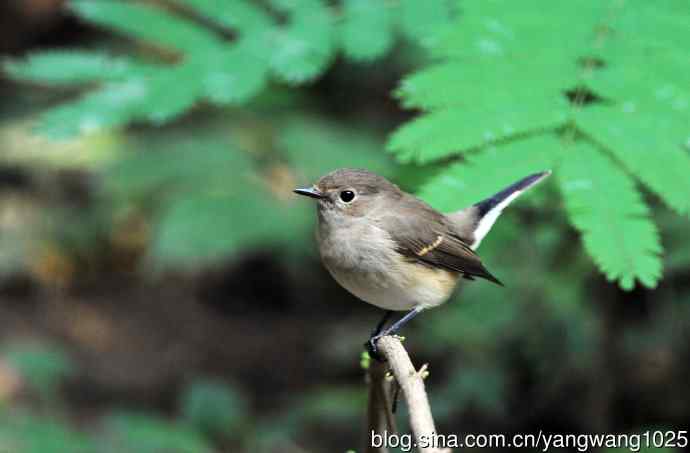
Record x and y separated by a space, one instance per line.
371 344
379 327
401 322
371 348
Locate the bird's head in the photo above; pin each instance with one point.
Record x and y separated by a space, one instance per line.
351 193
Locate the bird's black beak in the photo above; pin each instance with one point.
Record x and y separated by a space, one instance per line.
309 192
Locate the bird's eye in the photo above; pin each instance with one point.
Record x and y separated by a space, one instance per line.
347 196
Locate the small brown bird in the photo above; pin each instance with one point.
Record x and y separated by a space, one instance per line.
393 250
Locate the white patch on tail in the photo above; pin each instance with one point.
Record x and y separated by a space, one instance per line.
490 217
486 222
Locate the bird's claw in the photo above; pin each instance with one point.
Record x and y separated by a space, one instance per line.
373 350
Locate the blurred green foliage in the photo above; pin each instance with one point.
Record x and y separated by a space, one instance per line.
317 410
292 41
213 407
215 195
589 105
221 190
20 432
208 408
143 433
42 366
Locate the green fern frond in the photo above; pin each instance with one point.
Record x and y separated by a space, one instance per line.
164 98
648 145
616 229
292 40
134 91
146 23
651 85
304 47
483 174
451 131
613 85
424 21
239 15
156 98
457 84
72 67
113 105
234 76
366 29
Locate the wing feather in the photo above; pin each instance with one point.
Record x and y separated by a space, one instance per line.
426 236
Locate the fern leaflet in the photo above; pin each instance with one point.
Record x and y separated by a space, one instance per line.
293 41
612 87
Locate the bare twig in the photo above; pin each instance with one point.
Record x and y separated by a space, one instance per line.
380 416
411 382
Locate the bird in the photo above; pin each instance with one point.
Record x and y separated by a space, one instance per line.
393 250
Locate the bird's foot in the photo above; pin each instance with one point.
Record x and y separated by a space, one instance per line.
373 350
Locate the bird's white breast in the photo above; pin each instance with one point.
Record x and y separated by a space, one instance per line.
362 258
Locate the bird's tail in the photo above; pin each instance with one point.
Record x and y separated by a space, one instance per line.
476 221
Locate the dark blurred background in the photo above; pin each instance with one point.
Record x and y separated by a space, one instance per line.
160 289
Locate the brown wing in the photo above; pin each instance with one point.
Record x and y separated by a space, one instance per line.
425 235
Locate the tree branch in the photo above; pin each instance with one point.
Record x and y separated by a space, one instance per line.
411 382
380 417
